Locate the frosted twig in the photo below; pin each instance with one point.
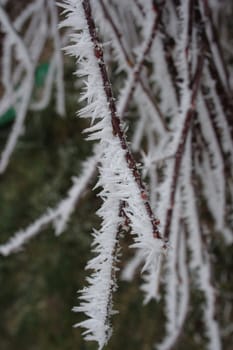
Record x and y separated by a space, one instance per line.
28 50
119 177
171 281
27 85
134 74
130 65
57 216
199 256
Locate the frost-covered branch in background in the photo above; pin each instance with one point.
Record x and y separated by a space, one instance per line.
58 216
24 41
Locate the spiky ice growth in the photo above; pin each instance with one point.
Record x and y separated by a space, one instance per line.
116 179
